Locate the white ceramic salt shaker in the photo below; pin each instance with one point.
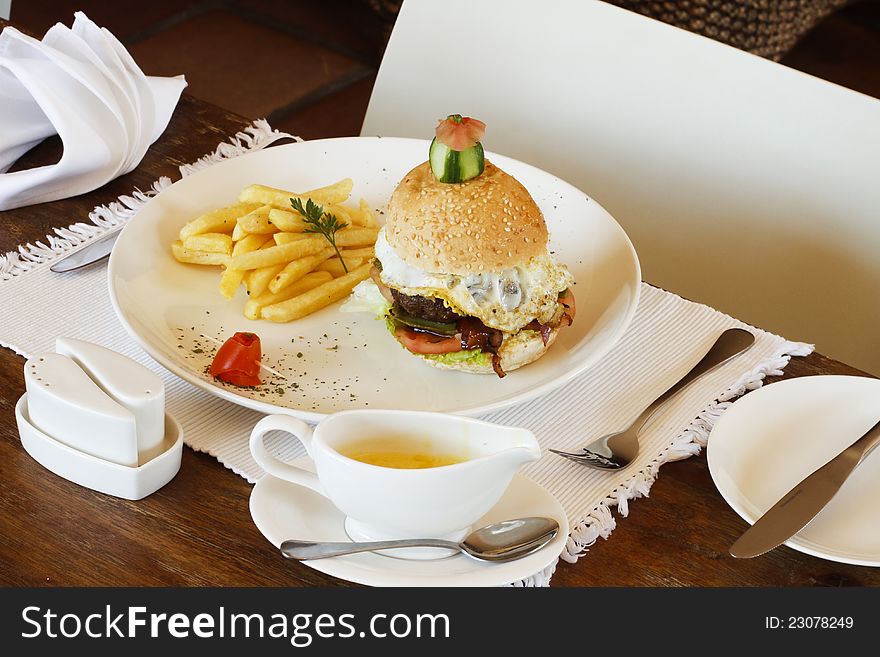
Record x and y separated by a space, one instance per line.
64 403
129 384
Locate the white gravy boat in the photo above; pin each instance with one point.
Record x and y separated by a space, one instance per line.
384 502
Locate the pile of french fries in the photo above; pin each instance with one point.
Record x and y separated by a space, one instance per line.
261 242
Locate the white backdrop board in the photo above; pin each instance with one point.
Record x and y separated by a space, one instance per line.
743 184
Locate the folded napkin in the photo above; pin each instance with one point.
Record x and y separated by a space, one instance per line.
82 84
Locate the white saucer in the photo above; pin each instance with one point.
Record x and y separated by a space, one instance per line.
773 437
282 510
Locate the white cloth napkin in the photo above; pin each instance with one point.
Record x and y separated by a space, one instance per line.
82 84
663 341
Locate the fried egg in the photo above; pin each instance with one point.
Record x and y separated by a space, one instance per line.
506 300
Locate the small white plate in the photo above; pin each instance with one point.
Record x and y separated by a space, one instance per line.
334 361
282 510
770 439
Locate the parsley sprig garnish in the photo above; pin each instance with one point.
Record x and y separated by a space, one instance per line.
320 222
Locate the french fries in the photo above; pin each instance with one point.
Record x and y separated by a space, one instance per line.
238 233
316 298
287 220
257 221
257 281
296 269
365 252
250 243
336 268
279 198
284 259
368 219
255 304
216 221
280 253
356 237
210 242
182 254
284 238
232 278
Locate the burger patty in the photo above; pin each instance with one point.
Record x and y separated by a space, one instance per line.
425 307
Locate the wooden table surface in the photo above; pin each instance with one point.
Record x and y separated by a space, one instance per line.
197 530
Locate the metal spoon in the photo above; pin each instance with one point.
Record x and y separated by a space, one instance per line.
500 541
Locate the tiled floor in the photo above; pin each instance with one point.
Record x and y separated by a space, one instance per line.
287 60
245 72
309 65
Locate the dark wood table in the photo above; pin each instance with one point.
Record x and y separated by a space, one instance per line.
197 530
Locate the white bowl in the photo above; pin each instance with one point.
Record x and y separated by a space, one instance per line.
131 483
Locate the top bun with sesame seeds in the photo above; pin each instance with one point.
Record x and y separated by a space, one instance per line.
487 223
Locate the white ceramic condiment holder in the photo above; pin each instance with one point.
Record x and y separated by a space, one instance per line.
98 419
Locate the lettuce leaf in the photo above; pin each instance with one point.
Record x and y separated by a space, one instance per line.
476 357
366 298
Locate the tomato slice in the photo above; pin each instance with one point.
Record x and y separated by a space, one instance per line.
460 132
425 343
238 360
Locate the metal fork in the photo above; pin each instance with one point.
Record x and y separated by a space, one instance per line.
618 449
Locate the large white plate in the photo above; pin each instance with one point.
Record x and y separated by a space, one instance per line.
283 510
334 361
775 436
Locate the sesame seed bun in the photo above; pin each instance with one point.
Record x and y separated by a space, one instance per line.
517 350
487 223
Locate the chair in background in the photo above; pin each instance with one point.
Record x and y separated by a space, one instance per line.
743 184
767 29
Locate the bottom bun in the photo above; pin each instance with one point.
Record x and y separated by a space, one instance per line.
517 350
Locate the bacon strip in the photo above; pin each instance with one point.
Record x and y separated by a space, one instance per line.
476 335
545 333
496 365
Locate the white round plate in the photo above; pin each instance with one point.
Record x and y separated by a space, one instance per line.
283 510
334 361
772 438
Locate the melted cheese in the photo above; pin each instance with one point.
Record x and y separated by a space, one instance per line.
506 300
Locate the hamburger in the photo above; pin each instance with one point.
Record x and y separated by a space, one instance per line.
463 266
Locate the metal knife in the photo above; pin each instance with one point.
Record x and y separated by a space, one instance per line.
803 502
97 250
